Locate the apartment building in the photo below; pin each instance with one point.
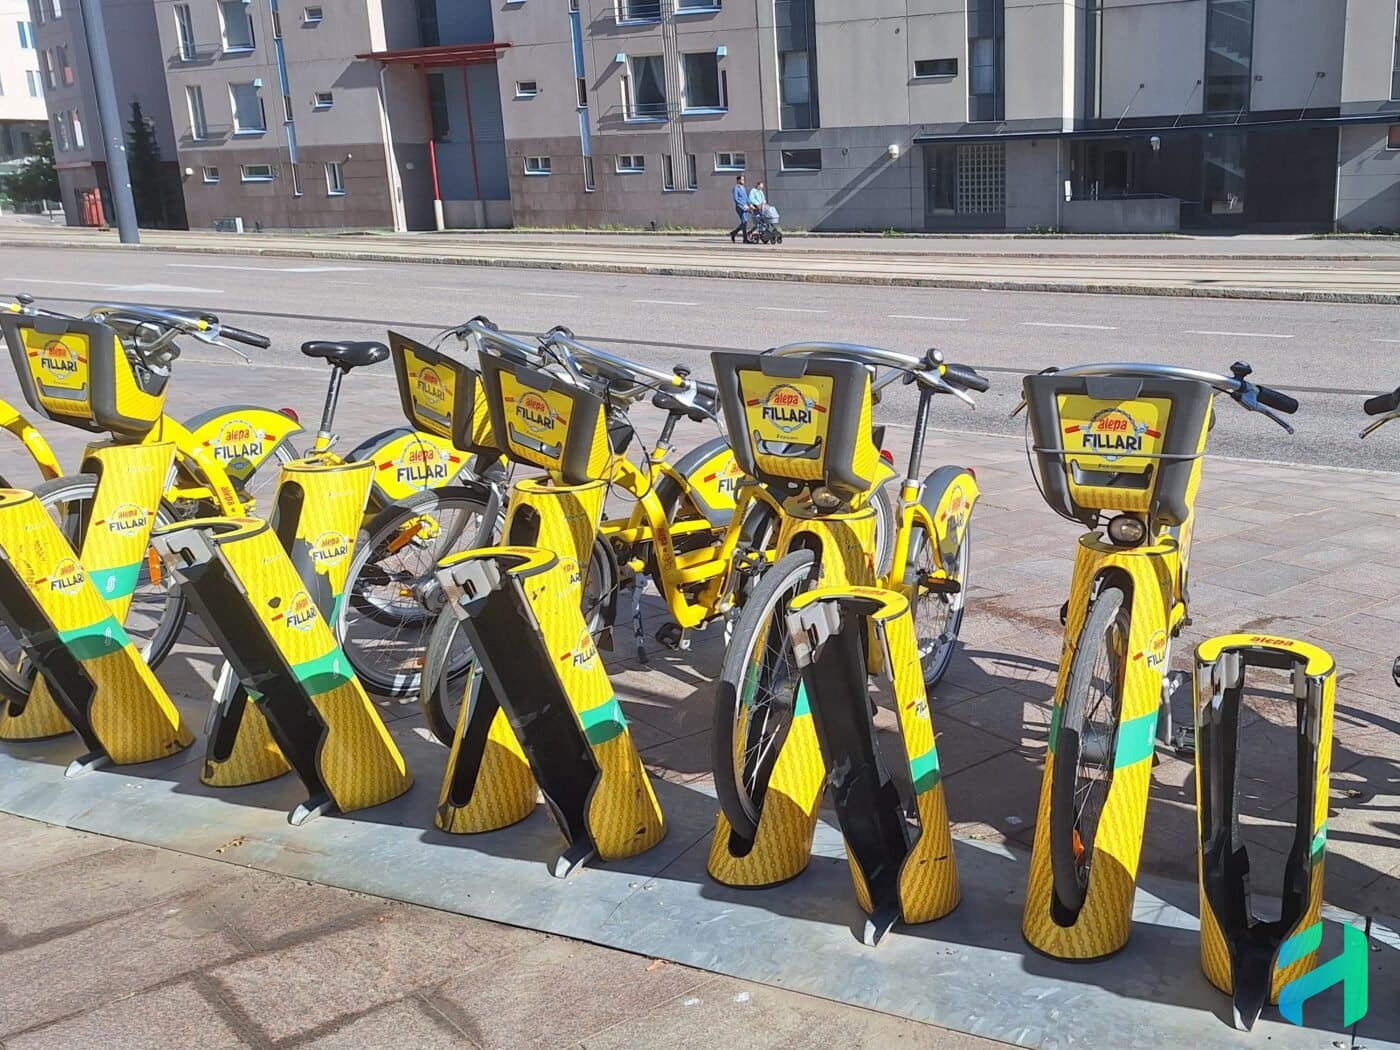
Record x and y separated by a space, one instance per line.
22 113
1092 115
63 42
348 113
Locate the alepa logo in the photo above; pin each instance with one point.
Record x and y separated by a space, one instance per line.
423 465
788 408
725 481
1351 970
59 359
584 652
1156 652
66 578
1113 433
126 518
301 612
430 386
238 441
329 548
536 413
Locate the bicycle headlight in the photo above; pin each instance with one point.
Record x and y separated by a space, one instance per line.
1127 531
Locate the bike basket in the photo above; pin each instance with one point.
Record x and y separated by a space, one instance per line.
799 419
1126 444
546 422
441 396
77 372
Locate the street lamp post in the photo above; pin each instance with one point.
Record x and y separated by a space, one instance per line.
110 117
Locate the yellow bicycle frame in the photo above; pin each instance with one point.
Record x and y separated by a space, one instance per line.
39 450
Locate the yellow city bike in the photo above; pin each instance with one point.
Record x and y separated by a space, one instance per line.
1387 406
789 419
697 527
1117 448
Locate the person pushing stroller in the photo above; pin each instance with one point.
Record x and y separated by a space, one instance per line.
763 216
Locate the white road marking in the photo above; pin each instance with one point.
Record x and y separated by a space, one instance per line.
265 269
1244 335
664 302
1388 340
106 286
788 310
551 295
920 317
1062 324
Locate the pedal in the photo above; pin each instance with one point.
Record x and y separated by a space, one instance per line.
939 584
749 562
673 636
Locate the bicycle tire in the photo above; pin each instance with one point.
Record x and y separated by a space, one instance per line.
933 610
155 642
441 695
884 532
266 484
742 769
1075 809
391 585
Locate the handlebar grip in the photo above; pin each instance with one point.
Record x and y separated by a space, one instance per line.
1383 403
1277 400
242 335
967 377
708 390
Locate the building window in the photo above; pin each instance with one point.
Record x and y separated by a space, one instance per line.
986 82
1392 140
296 179
801 160
256 172
668 173
323 100
184 32
730 162
639 10
237 20
26 35
211 173
796 30
335 179
631 164
428 35
62 142
936 67
287 115
581 85
982 178
686 6
573 5
692 172
527 88
437 107
1229 55
52 8
537 165
194 100
78 139
32 76
276 14
589 182
312 15
46 67
65 68
702 86
644 88
248 115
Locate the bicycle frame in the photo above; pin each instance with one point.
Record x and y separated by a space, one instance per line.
34 443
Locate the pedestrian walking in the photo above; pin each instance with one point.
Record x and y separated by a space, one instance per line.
741 206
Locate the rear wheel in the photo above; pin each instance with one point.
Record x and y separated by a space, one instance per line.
450 659
757 693
157 612
1085 746
392 595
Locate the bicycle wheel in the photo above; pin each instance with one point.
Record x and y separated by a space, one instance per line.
1084 748
391 592
450 659
937 614
884 531
256 491
157 612
757 693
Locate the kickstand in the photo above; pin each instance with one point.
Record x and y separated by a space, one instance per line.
639 584
317 806
86 764
573 858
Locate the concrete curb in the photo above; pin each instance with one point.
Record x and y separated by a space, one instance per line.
656 270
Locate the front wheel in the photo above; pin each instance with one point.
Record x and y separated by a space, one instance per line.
757 694
1085 746
938 610
157 611
392 595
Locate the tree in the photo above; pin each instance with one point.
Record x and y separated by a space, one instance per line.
143 162
37 181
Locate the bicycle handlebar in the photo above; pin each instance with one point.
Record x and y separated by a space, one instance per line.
930 370
506 345
242 335
1383 403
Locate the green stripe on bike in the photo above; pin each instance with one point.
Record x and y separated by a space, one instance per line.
115 583
1137 740
1055 717
603 723
925 770
98 639
324 673
1319 844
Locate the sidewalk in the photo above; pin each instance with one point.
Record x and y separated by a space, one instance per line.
1360 271
209 954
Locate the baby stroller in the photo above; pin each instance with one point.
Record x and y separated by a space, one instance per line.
766 229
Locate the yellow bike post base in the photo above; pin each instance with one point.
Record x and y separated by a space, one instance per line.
782 847
88 668
542 711
1105 920
241 581
319 506
1239 951
904 871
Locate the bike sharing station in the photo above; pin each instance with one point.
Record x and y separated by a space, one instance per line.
800 903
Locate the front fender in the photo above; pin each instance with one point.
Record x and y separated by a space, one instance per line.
950 493
241 437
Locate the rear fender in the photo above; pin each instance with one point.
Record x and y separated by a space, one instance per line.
950 493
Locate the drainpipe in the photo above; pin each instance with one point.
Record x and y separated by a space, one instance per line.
438 218
471 140
390 162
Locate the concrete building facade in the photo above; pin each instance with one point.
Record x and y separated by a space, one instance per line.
22 112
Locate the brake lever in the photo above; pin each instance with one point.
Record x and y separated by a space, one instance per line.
1018 409
1377 424
212 339
939 383
1249 398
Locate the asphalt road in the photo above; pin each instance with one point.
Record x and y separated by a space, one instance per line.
1329 356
